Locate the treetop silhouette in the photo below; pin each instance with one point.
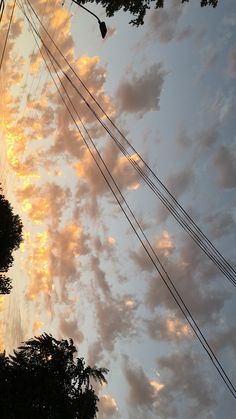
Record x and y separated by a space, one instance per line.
10 233
44 380
138 8
5 285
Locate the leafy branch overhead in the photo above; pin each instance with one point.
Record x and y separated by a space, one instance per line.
44 380
138 8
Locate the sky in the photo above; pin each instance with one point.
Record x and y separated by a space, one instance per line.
81 272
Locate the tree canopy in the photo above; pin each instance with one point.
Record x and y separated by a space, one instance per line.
10 233
44 380
5 285
138 8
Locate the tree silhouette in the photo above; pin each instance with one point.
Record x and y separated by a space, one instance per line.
138 8
44 380
10 233
5 285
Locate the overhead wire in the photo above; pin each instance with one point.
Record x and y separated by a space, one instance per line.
2 6
21 116
141 159
183 218
7 34
144 241
4 168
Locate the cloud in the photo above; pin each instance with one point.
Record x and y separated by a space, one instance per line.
69 327
222 106
100 276
104 245
179 182
142 93
125 175
151 398
207 137
210 55
15 31
163 25
168 328
38 267
37 327
162 213
184 34
142 260
92 185
190 381
141 390
67 245
115 318
110 32
93 75
220 224
144 394
11 318
225 162
185 266
95 353
52 261
163 245
60 251
11 75
225 338
231 69
107 407
47 202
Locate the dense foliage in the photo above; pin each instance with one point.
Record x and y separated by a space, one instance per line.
138 8
5 285
44 380
10 239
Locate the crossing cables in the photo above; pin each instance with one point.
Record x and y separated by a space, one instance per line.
128 213
149 176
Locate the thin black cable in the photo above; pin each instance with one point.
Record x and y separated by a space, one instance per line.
2 6
20 117
205 344
8 31
135 151
209 350
222 264
163 199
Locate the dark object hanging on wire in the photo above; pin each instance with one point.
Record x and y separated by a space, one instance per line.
102 25
103 28
2 5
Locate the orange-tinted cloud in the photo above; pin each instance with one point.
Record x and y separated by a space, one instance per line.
37 327
107 407
44 203
38 267
164 244
168 328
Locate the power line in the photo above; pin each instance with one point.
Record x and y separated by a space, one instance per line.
144 241
183 217
8 30
2 5
20 117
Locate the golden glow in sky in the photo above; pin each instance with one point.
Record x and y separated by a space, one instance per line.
80 271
